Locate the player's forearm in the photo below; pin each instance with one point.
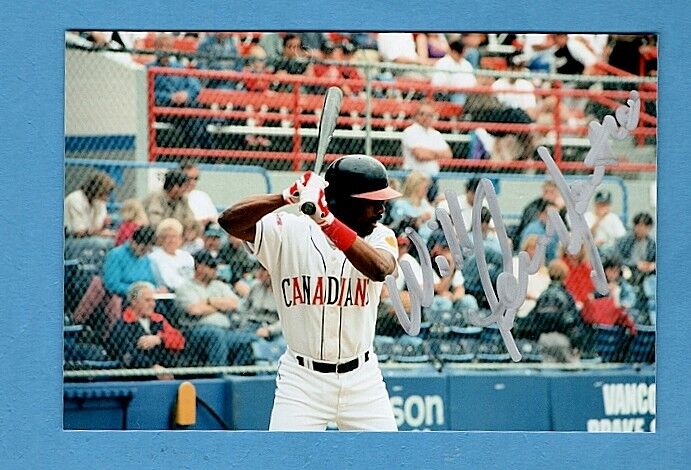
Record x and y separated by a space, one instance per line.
240 219
369 261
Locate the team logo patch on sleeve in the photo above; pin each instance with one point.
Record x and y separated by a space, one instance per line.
391 241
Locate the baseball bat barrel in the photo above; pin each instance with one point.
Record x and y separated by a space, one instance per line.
327 125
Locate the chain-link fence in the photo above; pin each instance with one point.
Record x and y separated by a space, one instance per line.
248 124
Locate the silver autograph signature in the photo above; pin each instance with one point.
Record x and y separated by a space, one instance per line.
511 288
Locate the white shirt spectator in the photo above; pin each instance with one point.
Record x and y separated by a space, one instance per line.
193 291
417 270
418 136
394 46
202 206
172 270
524 101
608 231
80 215
449 73
587 48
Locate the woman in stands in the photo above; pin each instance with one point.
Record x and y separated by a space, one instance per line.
85 209
413 209
172 265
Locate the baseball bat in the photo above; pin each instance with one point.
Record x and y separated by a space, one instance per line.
327 124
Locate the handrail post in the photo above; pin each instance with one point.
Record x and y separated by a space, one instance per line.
297 141
557 123
151 119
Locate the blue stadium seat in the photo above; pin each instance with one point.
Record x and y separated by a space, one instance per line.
267 352
409 349
609 342
642 346
530 350
454 351
491 346
383 346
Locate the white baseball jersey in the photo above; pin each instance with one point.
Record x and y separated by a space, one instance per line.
327 308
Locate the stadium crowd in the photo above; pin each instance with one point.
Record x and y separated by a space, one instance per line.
218 303
452 61
165 286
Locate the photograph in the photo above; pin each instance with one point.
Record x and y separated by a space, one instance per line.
302 230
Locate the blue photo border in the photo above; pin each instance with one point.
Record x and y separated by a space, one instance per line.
31 194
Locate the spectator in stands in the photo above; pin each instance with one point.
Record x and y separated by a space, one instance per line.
537 283
133 216
555 311
258 312
199 201
517 92
142 337
539 227
578 282
614 308
241 262
452 286
293 61
272 43
605 225
313 43
219 51
489 234
493 258
399 48
179 91
172 265
453 70
192 237
466 203
538 51
256 64
403 243
423 146
550 193
413 208
124 265
171 201
577 54
208 303
431 46
472 42
638 249
86 214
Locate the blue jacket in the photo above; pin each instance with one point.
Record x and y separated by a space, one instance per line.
536 227
122 268
166 85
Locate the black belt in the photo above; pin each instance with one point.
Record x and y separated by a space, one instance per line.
326 367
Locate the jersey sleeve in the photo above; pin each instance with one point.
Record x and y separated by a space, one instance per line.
383 238
268 238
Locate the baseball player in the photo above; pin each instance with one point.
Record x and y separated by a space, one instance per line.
326 272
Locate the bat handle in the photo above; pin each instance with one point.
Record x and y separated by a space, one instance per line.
308 208
308 199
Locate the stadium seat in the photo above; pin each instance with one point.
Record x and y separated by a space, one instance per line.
454 351
267 352
383 346
491 346
609 342
642 346
530 350
409 349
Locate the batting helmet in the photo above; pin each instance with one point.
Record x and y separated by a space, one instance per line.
358 176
